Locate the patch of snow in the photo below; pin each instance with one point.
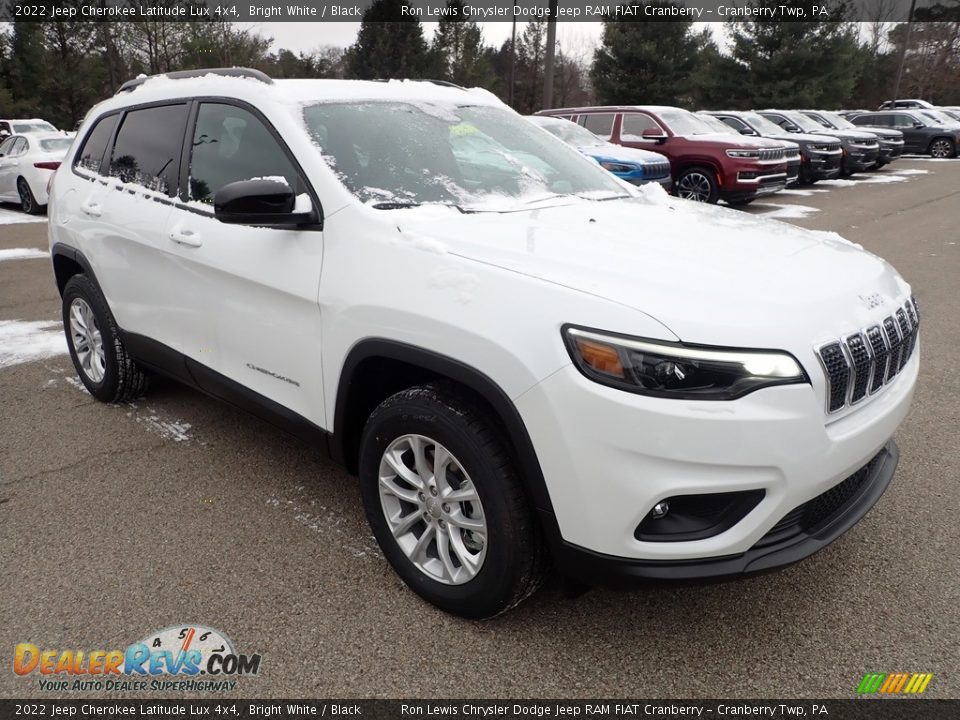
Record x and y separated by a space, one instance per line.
23 254
14 217
462 283
274 178
175 430
22 341
324 521
881 179
423 242
786 212
910 171
302 204
838 182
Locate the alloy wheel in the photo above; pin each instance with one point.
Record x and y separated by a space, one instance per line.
26 197
432 509
87 340
694 186
941 148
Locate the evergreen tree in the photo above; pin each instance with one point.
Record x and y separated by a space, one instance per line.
458 44
639 61
797 64
389 45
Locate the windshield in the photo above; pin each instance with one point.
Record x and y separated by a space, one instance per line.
803 122
838 121
476 157
938 117
717 125
571 133
56 144
32 127
682 122
759 123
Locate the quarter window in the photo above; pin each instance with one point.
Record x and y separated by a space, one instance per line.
231 144
90 156
147 149
600 124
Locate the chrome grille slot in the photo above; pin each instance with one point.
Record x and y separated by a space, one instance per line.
860 364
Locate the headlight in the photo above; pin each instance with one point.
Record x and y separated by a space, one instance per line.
673 370
617 167
752 154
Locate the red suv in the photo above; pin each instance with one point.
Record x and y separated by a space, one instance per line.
707 166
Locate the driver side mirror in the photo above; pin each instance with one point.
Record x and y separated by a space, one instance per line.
263 202
917 124
654 134
747 131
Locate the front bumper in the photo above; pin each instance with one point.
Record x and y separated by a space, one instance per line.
788 542
610 456
857 160
822 165
889 151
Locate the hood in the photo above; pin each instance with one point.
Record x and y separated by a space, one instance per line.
619 152
853 135
801 138
711 275
733 142
885 133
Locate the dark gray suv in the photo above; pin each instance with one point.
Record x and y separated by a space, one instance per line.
891 141
860 149
921 134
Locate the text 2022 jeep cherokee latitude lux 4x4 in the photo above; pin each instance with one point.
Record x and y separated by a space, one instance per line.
523 361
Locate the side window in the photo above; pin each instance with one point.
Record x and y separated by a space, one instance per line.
779 120
904 121
6 146
232 144
634 125
600 124
90 156
147 148
19 147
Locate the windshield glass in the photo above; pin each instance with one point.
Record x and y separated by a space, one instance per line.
938 117
32 127
571 133
682 122
804 123
56 144
717 125
838 121
476 157
761 124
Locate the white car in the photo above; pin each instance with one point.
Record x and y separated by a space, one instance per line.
522 364
25 126
27 163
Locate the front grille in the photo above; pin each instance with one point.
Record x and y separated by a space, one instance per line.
862 363
773 154
812 515
656 170
791 153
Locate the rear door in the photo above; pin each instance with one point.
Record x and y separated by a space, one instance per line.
130 209
914 139
249 307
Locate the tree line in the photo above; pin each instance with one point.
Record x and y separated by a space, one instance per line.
58 69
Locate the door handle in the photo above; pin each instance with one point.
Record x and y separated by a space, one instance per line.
186 237
92 209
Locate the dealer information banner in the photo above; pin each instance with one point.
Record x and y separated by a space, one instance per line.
479 10
484 709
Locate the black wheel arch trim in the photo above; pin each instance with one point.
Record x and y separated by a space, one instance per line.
438 364
71 253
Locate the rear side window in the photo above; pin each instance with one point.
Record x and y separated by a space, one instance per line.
90 156
147 148
232 144
600 124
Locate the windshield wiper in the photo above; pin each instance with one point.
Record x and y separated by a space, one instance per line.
402 204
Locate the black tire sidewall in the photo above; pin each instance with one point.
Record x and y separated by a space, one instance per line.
80 286
21 184
711 178
491 590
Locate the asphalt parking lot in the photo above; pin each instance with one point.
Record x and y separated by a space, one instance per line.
116 521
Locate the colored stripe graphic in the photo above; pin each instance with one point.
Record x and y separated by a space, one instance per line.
894 683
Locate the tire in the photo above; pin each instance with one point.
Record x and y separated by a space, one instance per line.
110 375
483 572
28 203
698 184
942 148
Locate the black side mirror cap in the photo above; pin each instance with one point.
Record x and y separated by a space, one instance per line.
260 202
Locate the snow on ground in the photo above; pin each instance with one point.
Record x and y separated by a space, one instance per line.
22 341
9 216
785 212
801 192
910 171
23 254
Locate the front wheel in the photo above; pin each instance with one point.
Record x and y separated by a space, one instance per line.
942 148
442 496
698 184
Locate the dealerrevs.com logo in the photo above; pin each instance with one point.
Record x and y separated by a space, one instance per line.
186 657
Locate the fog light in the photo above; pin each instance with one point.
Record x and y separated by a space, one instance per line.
659 510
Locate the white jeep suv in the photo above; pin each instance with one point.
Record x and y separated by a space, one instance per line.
524 359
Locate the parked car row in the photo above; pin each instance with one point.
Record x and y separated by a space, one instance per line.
738 156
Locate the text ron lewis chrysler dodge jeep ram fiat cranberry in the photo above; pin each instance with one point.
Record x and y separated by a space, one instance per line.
526 360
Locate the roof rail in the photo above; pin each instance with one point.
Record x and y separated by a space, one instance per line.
443 83
183 74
